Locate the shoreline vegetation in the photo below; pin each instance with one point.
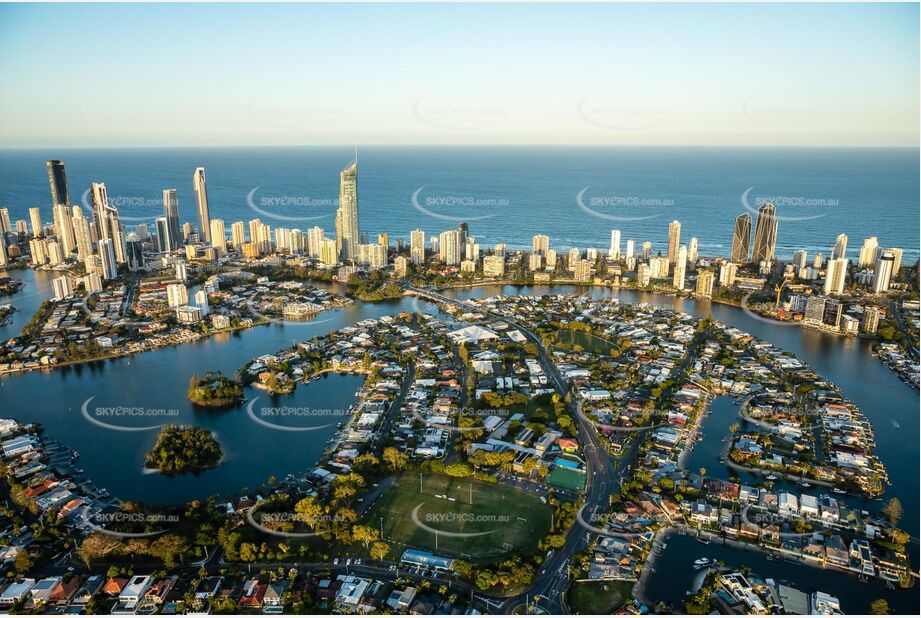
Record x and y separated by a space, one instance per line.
214 390
181 449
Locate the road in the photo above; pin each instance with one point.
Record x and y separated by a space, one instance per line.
552 582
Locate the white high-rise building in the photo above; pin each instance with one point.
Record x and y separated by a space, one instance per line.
62 288
882 274
643 275
347 215
614 249
36 217
728 274
82 234
681 264
799 259
674 240
182 273
218 236
631 248
315 237
201 301
200 187
107 256
417 246
840 249
540 244
692 249
896 261
238 235
869 251
447 248
177 294
835 276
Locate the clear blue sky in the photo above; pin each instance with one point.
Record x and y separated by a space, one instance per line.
103 75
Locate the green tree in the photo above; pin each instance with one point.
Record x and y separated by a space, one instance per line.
879 607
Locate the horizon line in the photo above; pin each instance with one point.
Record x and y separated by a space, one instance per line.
483 145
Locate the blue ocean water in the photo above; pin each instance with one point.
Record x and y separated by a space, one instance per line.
576 195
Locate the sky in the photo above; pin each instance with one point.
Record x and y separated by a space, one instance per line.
222 75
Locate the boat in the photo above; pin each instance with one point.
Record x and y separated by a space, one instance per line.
771 477
838 490
702 562
703 540
805 483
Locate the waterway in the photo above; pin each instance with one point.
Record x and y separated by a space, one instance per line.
159 379
674 576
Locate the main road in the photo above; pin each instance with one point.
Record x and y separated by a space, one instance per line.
551 583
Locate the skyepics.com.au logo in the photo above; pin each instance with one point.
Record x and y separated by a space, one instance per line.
621 116
291 208
294 525
438 205
786 207
303 418
114 417
620 207
130 207
129 524
448 517
458 116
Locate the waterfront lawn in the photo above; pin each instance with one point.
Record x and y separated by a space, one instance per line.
509 521
586 341
600 597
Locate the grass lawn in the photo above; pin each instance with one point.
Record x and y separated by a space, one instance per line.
587 341
601 597
507 521
566 478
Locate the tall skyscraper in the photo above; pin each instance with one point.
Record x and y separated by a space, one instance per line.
463 231
82 233
692 249
417 246
835 276
57 180
674 241
614 249
741 239
868 253
238 235
765 234
171 213
36 218
681 263
218 234
348 235
897 261
448 250
64 228
107 255
840 249
882 273
540 244
631 248
201 204
163 234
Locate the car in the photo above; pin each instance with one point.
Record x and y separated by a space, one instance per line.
357 561
336 561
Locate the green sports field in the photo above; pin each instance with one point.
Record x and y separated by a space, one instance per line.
496 520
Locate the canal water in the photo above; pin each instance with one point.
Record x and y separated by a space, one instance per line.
674 576
159 379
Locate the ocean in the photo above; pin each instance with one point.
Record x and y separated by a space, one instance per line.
575 195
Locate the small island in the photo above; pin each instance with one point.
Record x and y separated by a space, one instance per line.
181 449
214 390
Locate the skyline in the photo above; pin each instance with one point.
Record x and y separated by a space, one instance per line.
716 83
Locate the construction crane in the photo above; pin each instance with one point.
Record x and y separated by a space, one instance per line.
779 288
